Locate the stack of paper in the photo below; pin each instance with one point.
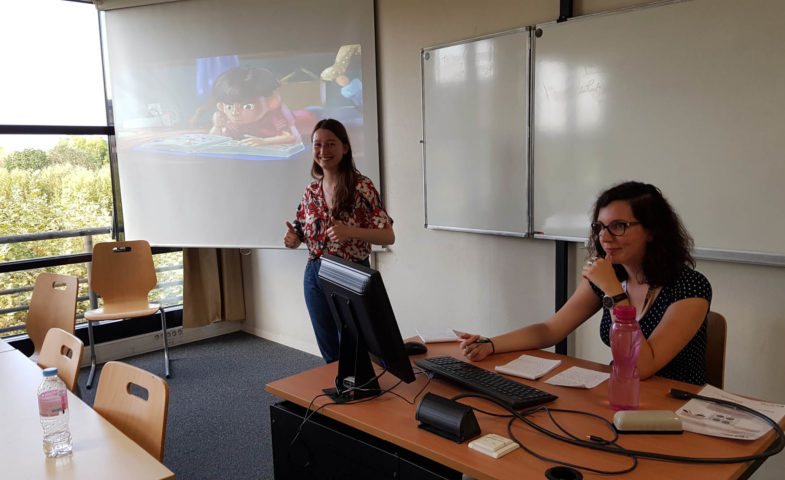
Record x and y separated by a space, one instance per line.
708 418
437 335
529 367
578 377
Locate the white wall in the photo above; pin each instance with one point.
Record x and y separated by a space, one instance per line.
491 284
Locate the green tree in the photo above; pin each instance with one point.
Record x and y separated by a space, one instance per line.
27 159
80 152
60 197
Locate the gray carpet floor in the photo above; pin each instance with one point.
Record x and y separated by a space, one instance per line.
218 424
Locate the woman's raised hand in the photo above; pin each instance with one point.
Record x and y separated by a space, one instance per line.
600 272
291 240
339 231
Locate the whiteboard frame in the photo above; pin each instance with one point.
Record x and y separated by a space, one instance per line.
701 253
527 220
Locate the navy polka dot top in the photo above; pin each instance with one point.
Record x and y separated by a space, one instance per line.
689 364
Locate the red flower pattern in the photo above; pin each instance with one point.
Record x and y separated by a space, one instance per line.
313 220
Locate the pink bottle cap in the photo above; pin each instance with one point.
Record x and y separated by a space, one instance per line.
624 312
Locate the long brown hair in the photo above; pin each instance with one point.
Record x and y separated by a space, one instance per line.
670 248
343 201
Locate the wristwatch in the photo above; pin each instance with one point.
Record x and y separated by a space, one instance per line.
609 302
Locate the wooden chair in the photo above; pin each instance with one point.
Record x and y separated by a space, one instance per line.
121 399
716 332
53 305
123 274
64 351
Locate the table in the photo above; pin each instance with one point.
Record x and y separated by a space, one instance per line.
5 346
391 419
99 449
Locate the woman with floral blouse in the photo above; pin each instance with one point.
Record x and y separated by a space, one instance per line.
340 213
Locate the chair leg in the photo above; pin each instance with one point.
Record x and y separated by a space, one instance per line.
166 343
89 383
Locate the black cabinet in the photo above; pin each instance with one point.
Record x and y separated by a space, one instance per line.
327 449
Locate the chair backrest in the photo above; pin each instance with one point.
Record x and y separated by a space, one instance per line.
716 332
64 351
123 274
53 304
118 400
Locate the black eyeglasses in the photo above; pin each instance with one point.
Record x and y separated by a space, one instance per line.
616 228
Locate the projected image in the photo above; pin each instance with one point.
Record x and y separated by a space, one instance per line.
239 106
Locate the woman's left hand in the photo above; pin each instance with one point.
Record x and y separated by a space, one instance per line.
599 271
339 231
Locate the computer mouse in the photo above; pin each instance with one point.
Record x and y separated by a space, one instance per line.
414 348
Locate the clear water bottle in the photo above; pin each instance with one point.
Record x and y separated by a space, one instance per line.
624 385
53 410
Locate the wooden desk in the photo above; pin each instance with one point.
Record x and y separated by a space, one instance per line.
99 449
392 419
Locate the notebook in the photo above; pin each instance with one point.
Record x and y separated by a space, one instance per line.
528 366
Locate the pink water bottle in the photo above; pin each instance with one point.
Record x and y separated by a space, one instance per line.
624 385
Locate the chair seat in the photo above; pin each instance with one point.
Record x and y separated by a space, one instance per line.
99 314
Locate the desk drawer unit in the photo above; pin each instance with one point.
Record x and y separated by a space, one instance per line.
327 449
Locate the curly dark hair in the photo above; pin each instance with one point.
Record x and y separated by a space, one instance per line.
347 172
670 248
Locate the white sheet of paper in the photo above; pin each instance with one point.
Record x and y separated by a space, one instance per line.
578 377
433 335
708 418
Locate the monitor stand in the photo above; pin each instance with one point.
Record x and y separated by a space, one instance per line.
356 377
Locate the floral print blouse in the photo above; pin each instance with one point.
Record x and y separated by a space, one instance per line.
313 219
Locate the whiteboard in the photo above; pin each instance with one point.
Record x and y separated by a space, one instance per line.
475 134
689 96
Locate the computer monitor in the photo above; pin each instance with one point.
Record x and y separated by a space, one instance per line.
365 319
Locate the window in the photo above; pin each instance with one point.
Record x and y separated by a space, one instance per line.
55 175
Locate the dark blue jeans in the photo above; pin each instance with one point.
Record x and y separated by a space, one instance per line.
324 325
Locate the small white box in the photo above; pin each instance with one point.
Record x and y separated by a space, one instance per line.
493 445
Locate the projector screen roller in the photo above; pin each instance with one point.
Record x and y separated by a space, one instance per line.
214 103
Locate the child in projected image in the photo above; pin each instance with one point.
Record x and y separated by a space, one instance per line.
250 109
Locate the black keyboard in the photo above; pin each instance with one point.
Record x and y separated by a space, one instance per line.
511 393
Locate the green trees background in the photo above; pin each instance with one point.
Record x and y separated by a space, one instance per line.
65 188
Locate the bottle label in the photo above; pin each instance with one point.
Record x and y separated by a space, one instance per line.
52 403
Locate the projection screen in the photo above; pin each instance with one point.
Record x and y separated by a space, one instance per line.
214 102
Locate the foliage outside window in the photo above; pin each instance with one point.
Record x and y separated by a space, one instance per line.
67 187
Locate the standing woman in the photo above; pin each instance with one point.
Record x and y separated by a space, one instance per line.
640 256
341 213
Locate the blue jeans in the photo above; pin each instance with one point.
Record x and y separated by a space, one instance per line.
324 326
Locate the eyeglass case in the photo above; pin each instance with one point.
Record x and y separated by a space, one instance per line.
647 421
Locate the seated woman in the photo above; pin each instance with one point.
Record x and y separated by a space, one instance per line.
640 255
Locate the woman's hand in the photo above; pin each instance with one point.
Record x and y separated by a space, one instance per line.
472 350
599 271
291 240
339 231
